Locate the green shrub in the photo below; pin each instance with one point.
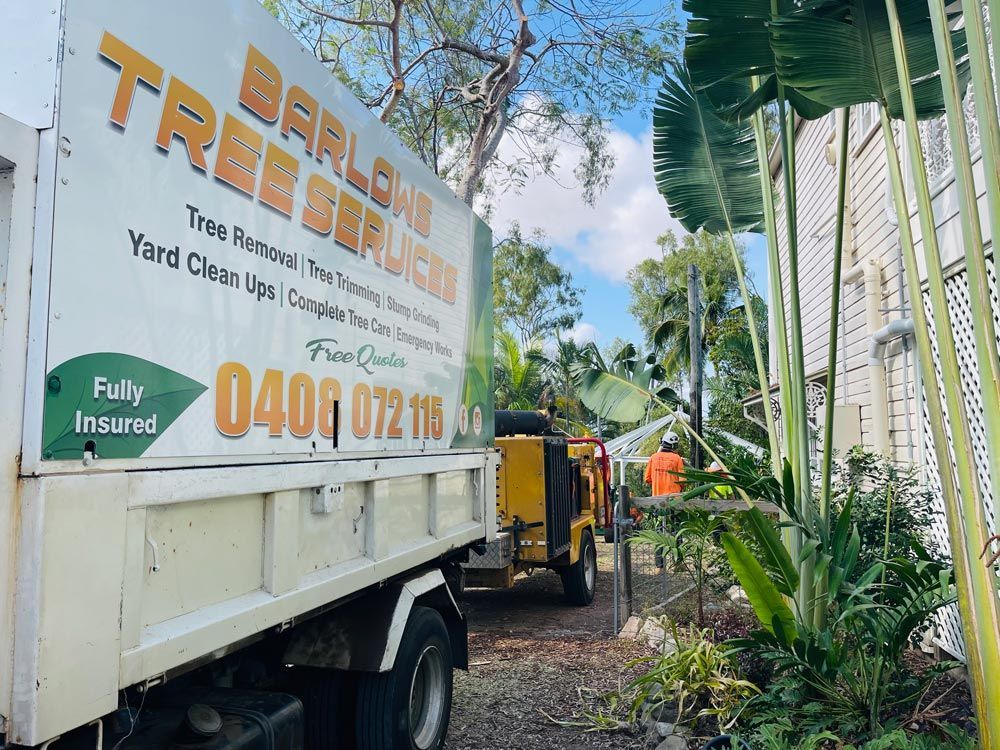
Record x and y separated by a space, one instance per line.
878 483
841 667
735 622
694 674
781 735
689 543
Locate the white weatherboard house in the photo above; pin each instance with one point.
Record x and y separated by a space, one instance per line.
878 393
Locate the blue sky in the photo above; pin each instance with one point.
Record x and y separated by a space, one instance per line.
606 300
598 245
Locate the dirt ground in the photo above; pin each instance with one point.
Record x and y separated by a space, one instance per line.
530 657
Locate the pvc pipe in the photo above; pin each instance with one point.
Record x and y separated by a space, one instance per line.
876 369
880 339
870 273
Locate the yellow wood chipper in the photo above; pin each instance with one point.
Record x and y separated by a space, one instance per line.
552 493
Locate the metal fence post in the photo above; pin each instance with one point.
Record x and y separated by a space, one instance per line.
625 501
616 621
663 559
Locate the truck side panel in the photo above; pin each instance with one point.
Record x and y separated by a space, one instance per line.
18 159
137 575
29 57
68 604
299 417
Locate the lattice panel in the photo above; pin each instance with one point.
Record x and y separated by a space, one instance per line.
957 287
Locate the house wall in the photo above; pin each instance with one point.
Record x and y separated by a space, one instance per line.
871 235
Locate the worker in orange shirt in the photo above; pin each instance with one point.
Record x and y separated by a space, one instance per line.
665 469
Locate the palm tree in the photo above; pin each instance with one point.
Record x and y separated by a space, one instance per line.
672 335
558 366
518 373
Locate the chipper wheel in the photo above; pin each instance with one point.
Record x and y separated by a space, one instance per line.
580 578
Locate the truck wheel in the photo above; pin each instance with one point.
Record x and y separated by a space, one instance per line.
408 707
580 578
327 698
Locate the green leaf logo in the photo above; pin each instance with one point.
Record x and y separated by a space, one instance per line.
120 402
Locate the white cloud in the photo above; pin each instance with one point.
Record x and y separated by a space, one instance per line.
581 334
609 237
584 333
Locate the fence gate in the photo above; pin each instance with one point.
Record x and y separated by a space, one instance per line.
643 579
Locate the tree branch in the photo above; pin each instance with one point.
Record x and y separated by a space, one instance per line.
398 80
403 74
344 19
477 52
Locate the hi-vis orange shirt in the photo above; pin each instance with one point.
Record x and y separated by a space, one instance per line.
662 471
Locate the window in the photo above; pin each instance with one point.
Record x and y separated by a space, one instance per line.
866 120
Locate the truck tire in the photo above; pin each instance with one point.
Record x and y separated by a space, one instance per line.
408 708
580 578
328 699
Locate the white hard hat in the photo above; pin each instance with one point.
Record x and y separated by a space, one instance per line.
670 438
715 466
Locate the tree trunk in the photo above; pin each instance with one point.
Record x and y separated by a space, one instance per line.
499 84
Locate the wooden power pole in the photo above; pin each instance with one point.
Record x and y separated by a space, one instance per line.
696 380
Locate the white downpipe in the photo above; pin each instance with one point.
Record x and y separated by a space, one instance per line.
880 339
876 367
870 272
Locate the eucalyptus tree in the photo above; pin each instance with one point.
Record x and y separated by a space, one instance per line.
455 79
532 294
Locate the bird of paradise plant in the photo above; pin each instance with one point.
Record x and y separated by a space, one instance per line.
816 55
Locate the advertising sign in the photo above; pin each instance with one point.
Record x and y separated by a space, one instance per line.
245 261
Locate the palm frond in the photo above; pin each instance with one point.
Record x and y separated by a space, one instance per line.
705 167
625 391
518 373
840 53
729 41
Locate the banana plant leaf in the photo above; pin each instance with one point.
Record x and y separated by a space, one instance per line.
839 53
624 391
764 596
730 39
772 550
705 167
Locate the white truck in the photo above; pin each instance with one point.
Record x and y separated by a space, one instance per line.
246 415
